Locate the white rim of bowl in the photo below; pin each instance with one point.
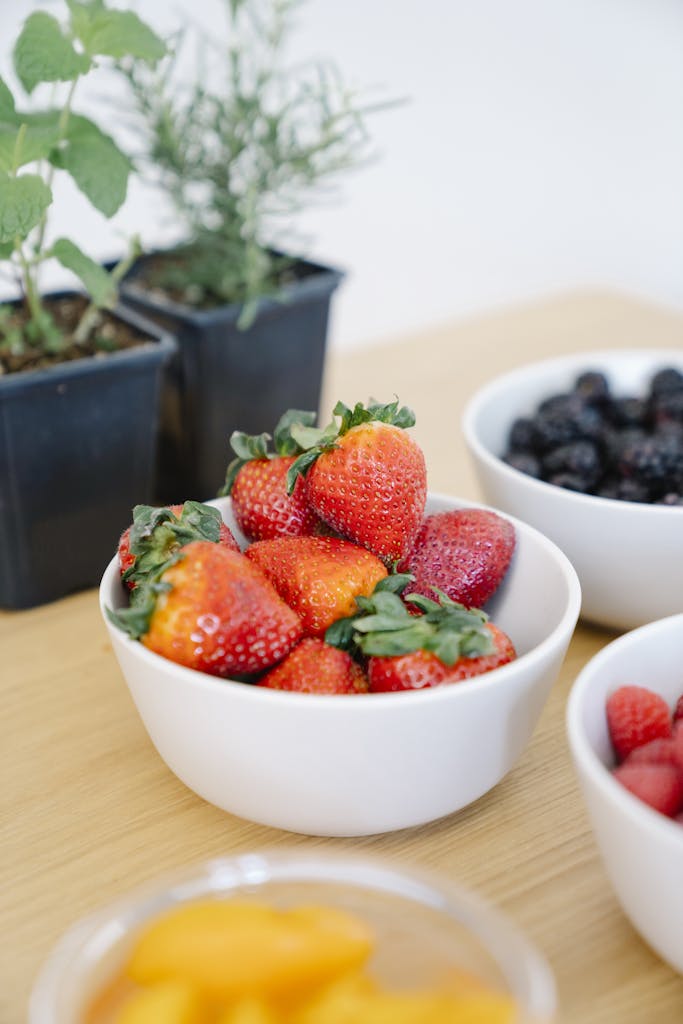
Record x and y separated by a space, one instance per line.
599 774
507 381
377 701
525 970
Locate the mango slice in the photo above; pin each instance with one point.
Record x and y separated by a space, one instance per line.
228 950
340 1005
249 1011
171 1002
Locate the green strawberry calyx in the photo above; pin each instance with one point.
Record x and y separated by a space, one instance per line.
314 441
384 625
157 537
250 447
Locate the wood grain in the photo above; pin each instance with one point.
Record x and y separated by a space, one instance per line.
90 810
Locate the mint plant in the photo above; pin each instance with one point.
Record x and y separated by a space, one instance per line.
37 144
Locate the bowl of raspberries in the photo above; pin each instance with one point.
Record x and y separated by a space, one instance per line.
329 648
588 448
625 729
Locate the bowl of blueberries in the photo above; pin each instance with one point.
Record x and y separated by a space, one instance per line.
588 449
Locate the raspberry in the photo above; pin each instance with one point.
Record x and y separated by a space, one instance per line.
635 716
656 752
658 785
678 710
678 742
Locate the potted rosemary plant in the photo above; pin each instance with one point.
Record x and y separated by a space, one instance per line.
236 154
79 376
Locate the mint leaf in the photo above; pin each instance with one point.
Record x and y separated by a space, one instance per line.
7 109
96 164
43 54
97 281
116 34
23 201
39 138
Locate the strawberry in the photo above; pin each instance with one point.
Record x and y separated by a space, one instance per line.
211 609
257 483
366 477
465 553
319 577
443 643
315 667
157 533
419 669
635 716
658 785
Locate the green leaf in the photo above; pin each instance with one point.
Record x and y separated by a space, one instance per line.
249 446
95 278
285 443
110 33
301 467
158 535
23 201
42 53
96 164
7 107
38 137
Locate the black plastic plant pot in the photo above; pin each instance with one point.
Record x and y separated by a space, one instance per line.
224 378
77 452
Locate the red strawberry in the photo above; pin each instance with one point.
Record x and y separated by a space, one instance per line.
422 668
465 553
156 533
319 577
366 478
438 642
257 483
658 785
315 667
635 716
212 610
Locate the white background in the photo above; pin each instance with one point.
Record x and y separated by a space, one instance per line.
540 150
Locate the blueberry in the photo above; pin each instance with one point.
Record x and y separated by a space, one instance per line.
525 462
630 412
522 437
578 458
657 461
633 490
667 405
592 386
570 482
666 381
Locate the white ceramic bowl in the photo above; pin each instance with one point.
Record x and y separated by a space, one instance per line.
423 925
642 849
628 556
357 765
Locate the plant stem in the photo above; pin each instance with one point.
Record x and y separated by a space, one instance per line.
30 290
62 126
91 315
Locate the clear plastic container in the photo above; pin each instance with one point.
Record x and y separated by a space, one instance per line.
424 927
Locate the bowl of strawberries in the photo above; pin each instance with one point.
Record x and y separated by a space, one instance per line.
328 648
625 728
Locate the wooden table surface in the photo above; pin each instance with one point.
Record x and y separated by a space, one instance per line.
90 810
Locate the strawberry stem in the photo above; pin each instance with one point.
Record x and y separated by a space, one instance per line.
384 626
